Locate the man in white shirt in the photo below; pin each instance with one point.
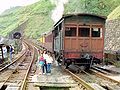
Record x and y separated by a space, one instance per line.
49 61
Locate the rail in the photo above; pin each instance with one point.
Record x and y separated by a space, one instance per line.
82 82
23 86
105 77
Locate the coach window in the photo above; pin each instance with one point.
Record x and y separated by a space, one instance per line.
96 32
84 32
70 31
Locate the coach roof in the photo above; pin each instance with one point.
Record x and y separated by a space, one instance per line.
80 14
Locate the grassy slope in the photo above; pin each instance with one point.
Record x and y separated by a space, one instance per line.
39 19
100 7
8 21
115 14
39 15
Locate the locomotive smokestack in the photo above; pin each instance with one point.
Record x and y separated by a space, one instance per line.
59 9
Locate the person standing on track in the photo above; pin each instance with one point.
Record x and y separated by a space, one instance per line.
49 62
45 57
41 64
11 50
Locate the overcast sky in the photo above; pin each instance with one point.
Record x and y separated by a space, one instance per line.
6 4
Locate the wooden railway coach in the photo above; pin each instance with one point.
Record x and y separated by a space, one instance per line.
78 39
46 41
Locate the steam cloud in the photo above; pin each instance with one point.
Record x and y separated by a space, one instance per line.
59 10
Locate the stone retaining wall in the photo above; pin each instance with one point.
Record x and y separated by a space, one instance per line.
112 35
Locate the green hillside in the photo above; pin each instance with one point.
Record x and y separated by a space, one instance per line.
115 14
38 15
101 7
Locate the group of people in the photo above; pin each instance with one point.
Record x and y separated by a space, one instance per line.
7 52
44 62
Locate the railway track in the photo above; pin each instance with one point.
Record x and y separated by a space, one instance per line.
89 81
102 81
106 76
94 80
16 73
105 71
82 84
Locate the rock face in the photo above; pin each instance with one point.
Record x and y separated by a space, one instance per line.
112 35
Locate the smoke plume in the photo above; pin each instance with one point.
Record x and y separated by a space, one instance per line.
59 9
